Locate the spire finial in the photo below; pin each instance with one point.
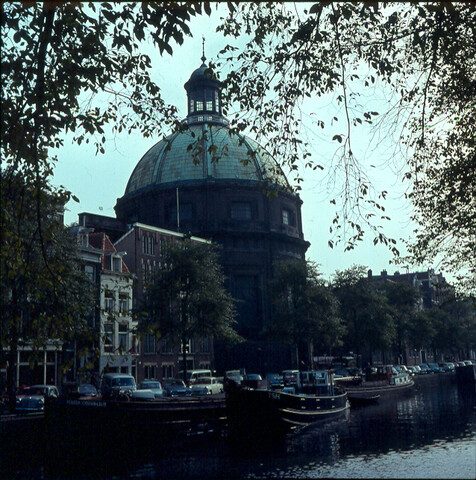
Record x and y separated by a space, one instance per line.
203 49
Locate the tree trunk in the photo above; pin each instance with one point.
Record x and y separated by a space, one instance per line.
184 358
12 376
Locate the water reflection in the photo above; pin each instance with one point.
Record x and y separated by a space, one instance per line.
420 430
427 434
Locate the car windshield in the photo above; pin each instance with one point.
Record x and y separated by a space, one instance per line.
37 391
123 382
175 383
86 388
204 381
150 385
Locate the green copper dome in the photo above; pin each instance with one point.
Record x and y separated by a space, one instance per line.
205 151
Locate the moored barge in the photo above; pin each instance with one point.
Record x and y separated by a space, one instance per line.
382 381
118 418
265 412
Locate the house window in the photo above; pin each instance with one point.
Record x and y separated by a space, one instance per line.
109 301
108 337
149 343
90 272
83 239
167 370
123 336
287 217
205 345
167 346
150 371
188 347
116 264
241 211
147 272
209 105
148 244
123 303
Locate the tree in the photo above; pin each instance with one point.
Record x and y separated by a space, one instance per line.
58 58
421 330
305 311
76 68
187 299
460 334
403 301
44 293
423 55
71 68
365 311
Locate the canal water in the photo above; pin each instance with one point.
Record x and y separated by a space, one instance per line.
429 433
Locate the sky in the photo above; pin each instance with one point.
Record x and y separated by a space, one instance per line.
99 180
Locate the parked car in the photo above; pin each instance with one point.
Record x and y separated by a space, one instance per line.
143 395
446 366
154 385
117 384
468 362
174 387
275 381
33 399
434 368
414 369
206 386
234 377
460 364
193 376
254 380
425 369
83 390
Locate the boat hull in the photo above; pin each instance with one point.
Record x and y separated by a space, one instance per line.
103 419
364 392
257 413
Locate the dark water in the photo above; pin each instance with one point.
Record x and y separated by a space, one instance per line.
430 433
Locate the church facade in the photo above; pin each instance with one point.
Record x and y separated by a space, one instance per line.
208 182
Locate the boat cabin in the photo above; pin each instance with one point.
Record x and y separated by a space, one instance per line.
386 373
319 382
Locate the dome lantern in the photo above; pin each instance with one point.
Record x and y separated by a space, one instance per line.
203 96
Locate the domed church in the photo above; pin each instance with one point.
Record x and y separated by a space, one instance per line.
215 184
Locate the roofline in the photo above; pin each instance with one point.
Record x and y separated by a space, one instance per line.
170 232
161 230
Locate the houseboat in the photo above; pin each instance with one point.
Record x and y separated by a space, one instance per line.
128 418
266 412
377 382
